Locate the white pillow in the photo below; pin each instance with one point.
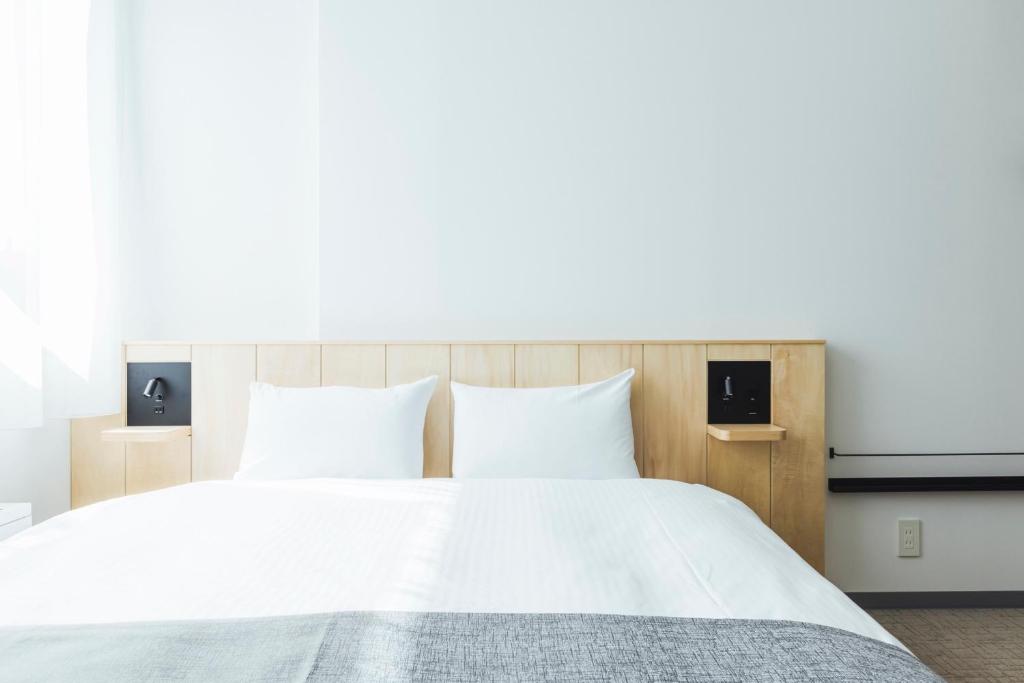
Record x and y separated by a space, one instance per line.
335 432
575 432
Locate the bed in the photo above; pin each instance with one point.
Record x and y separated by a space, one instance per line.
427 579
341 550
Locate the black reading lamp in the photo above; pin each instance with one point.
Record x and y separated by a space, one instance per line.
159 394
154 389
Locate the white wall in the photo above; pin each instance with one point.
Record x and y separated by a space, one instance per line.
848 170
616 169
219 199
35 468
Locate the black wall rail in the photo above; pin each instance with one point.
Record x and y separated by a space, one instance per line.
833 454
920 484
923 484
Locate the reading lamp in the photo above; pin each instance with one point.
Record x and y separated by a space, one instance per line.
154 389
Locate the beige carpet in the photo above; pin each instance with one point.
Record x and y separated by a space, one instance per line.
962 644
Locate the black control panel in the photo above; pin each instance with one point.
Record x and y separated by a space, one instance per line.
159 394
739 391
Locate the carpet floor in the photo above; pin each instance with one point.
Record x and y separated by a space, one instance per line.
962 644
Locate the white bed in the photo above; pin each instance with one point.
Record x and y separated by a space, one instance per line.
248 549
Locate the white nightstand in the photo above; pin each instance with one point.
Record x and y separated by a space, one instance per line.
14 517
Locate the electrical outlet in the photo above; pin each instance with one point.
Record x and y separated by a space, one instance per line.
910 537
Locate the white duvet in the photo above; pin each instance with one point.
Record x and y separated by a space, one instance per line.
244 549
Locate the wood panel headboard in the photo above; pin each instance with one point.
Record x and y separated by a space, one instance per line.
782 481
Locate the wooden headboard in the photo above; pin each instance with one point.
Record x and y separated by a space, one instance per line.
782 481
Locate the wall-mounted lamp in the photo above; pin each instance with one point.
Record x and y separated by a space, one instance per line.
159 394
154 389
739 392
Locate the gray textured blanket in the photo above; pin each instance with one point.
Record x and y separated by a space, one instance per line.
389 646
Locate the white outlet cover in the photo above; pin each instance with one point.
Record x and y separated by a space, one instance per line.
909 538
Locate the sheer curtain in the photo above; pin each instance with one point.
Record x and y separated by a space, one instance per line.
59 314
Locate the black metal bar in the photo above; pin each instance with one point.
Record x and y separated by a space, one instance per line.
938 599
920 484
833 454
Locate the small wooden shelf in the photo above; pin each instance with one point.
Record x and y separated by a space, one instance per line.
146 434
758 432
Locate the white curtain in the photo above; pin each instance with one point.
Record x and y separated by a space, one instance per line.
59 314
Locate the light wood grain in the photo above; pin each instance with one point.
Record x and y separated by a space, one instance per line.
743 470
288 365
158 353
547 365
798 463
746 432
601 361
97 466
220 405
490 365
152 466
482 365
353 365
146 434
479 342
675 412
411 362
124 384
739 352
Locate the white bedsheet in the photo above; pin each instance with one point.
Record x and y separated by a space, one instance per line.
242 549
